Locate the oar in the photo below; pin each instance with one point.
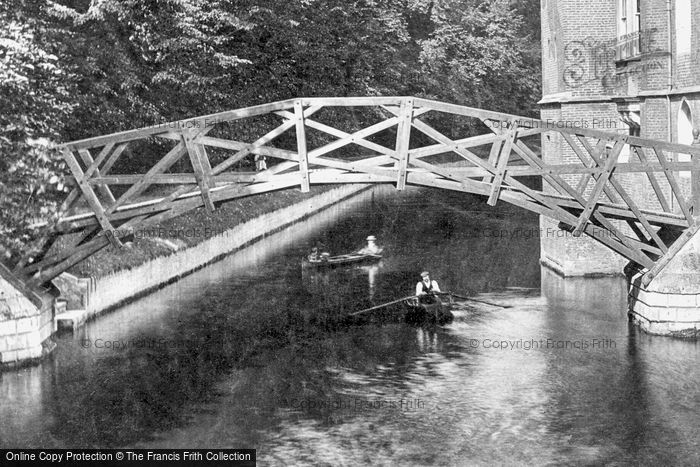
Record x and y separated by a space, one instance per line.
381 306
473 299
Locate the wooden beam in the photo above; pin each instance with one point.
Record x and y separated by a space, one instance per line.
104 170
352 138
347 136
652 178
65 252
238 145
262 141
403 139
89 194
200 123
80 253
92 168
596 160
695 186
302 152
623 213
632 251
352 101
592 163
594 154
598 188
161 166
464 143
493 157
355 138
503 159
452 146
674 185
175 178
37 250
637 212
202 169
670 254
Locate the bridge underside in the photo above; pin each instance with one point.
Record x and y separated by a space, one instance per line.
411 142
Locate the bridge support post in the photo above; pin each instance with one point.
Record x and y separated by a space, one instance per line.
301 146
403 138
695 178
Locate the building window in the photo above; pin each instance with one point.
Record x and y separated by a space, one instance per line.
628 26
683 26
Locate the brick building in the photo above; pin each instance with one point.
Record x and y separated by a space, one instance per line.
629 66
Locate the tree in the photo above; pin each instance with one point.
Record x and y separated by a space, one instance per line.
477 56
35 101
78 68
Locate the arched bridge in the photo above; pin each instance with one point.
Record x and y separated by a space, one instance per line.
626 192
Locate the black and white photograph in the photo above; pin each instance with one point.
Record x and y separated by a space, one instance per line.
349 232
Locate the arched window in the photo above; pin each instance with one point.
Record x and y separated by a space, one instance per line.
685 132
683 26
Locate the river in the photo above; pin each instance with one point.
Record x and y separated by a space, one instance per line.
241 355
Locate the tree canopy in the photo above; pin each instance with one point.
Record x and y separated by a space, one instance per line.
78 68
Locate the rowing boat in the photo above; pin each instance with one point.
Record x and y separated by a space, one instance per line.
340 260
436 312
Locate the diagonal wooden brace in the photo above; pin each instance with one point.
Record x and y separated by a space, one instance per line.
583 183
93 168
598 188
675 188
662 262
90 197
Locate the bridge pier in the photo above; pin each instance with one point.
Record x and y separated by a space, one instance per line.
26 322
670 304
571 256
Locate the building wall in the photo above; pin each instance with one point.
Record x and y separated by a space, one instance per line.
583 82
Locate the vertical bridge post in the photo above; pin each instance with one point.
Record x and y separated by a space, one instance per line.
695 176
301 146
201 167
403 138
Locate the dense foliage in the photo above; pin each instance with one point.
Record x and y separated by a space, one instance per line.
77 68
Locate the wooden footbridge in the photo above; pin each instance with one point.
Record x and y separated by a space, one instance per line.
639 207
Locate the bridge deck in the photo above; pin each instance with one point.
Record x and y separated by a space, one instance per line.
640 207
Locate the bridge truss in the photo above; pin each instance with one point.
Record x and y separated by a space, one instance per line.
596 193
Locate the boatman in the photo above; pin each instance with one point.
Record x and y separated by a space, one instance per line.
426 289
314 255
372 248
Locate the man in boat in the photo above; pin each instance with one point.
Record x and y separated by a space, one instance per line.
372 248
314 256
426 288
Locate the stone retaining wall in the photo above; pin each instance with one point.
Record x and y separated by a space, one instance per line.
26 325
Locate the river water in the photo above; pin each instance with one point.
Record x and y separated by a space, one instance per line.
243 354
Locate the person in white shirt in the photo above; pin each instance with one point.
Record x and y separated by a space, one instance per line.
260 163
426 288
372 248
